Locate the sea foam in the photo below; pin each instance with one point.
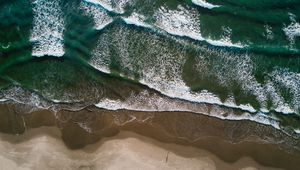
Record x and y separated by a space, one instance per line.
136 19
48 28
292 31
116 6
204 4
180 22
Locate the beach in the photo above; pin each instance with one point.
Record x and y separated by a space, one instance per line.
138 140
42 149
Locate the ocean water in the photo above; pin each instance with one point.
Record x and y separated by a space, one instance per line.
155 55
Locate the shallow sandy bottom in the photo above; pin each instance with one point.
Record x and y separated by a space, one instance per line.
42 148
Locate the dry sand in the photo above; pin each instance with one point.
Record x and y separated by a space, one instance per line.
42 148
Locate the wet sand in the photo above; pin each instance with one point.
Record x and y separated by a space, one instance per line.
193 140
42 148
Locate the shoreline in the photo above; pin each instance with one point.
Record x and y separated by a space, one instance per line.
228 140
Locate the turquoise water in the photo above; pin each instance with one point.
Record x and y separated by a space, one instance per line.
144 55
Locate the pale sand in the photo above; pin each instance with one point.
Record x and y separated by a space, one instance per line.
42 148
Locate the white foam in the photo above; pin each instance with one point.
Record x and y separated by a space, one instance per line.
136 19
264 110
116 6
247 107
224 43
297 131
183 92
293 30
111 104
48 28
181 22
204 4
104 3
3 100
56 101
285 109
101 18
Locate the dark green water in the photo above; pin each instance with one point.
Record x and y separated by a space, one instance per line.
144 55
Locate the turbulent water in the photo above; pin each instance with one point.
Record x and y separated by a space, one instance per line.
206 57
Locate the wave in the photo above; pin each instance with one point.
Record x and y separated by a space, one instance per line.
162 71
180 22
175 89
204 4
186 23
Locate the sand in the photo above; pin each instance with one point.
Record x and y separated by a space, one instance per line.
42 148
